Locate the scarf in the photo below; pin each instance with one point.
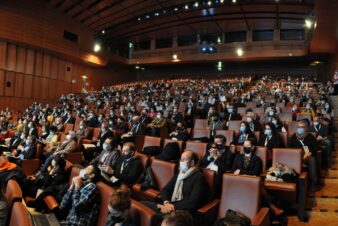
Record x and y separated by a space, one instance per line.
178 190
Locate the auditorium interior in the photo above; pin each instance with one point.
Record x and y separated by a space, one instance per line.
168 112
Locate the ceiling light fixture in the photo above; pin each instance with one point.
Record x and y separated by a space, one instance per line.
308 23
239 52
97 47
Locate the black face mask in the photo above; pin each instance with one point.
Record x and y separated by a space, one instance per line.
125 157
247 150
219 146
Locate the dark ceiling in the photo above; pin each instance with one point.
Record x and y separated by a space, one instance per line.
135 20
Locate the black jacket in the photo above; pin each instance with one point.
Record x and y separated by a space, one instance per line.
254 168
309 141
224 163
131 170
321 130
103 137
274 142
195 189
233 116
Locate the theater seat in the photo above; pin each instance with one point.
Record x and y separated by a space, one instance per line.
285 116
292 128
96 134
180 143
20 216
287 191
197 147
105 192
234 125
144 159
142 215
163 172
74 157
198 133
301 116
201 124
151 141
13 192
30 166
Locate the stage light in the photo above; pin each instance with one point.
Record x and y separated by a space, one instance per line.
97 47
239 52
308 23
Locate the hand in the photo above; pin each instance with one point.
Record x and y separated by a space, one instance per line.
237 172
77 181
31 178
15 153
319 137
307 155
109 170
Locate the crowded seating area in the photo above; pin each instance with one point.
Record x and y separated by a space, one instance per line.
251 148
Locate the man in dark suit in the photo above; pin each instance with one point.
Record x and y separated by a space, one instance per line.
231 114
92 120
69 118
128 168
185 191
307 142
247 163
322 135
137 128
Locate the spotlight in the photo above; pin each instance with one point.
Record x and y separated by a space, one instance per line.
239 52
308 23
97 47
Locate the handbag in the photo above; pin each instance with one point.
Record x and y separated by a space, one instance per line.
233 218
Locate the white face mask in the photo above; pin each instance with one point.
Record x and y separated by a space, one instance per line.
83 175
113 212
184 166
158 116
68 137
106 147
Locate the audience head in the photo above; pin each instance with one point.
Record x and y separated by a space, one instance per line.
188 160
178 218
301 128
53 130
120 202
220 140
59 163
90 174
128 150
248 146
244 127
270 129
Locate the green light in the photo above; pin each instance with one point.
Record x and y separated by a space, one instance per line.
130 45
219 64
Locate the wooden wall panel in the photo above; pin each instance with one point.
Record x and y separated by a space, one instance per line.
44 88
38 63
20 59
11 57
29 64
28 81
54 68
3 54
69 71
52 86
19 85
2 82
46 65
36 87
62 70
9 83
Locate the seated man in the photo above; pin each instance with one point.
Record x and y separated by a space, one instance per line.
216 124
67 146
25 151
81 201
107 159
156 125
128 168
185 191
307 142
178 218
180 133
84 132
137 128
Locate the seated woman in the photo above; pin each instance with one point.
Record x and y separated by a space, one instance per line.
245 133
118 207
270 139
50 183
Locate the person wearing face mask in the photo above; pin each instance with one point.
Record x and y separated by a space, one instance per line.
137 128
92 120
250 119
180 133
270 139
187 190
48 183
83 132
279 127
216 124
11 143
231 114
107 159
174 118
128 167
145 119
244 134
68 118
308 110
58 124
218 158
81 201
307 142
156 125
32 129
119 206
25 151
321 132
247 163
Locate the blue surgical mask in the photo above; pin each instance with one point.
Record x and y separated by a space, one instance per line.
268 132
300 131
230 110
274 122
184 166
242 129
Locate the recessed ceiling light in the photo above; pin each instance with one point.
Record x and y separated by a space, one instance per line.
103 31
186 7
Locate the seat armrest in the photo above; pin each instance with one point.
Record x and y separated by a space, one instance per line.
51 202
208 213
262 218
